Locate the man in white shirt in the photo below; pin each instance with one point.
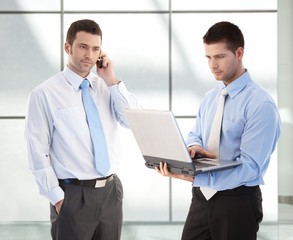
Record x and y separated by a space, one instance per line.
84 203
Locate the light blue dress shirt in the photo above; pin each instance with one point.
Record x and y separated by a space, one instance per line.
250 130
56 131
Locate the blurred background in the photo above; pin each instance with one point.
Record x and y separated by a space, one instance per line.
157 50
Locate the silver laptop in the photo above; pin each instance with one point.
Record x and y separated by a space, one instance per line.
159 139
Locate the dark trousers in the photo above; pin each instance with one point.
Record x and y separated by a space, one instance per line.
89 213
228 215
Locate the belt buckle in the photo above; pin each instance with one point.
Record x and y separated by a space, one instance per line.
100 183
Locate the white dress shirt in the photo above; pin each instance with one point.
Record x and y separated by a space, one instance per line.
56 131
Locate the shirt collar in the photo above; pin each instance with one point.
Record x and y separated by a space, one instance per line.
75 80
239 84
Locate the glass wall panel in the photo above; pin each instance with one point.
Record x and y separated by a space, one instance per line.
20 200
30 53
116 5
216 5
190 72
30 5
146 193
182 190
138 46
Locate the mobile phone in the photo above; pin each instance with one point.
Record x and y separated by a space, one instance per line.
100 62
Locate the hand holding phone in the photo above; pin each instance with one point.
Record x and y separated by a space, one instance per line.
105 70
100 63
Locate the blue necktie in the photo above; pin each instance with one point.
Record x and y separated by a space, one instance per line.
96 131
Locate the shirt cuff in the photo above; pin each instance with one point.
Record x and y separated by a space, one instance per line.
118 88
120 91
55 195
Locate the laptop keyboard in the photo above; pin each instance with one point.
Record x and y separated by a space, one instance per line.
202 164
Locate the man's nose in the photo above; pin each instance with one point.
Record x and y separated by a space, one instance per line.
213 63
89 53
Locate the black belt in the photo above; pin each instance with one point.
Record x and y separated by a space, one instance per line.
241 189
94 183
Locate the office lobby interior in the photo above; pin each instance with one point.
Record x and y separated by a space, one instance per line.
156 47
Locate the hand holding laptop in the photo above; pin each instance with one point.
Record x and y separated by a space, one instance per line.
163 170
195 151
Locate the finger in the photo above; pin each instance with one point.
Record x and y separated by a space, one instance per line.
207 154
105 62
192 152
162 167
103 54
159 169
165 167
166 170
105 59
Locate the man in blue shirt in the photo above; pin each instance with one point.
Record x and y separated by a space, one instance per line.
249 133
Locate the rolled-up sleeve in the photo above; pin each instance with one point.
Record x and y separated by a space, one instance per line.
38 130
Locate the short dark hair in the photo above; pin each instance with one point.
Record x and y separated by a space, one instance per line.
85 25
225 32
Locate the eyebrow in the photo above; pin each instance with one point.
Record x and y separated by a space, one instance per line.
84 44
216 55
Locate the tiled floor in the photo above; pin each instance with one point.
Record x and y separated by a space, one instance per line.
150 231
173 232
40 231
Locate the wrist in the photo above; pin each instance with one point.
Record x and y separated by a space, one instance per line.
112 81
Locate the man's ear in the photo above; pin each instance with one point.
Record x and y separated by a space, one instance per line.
67 47
240 52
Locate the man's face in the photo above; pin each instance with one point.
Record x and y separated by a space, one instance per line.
84 52
225 65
